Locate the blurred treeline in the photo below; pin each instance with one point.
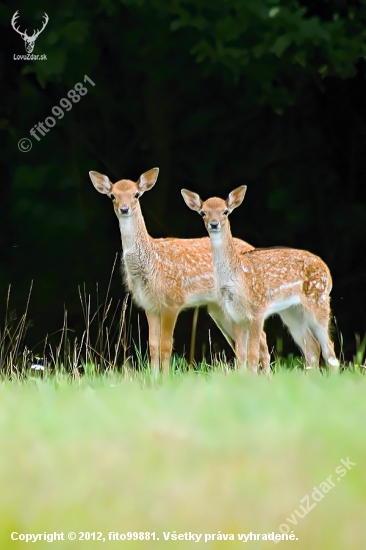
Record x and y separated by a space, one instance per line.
217 93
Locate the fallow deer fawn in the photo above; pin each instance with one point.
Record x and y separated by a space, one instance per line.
164 276
293 283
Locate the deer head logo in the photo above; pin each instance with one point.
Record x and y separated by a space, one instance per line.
29 40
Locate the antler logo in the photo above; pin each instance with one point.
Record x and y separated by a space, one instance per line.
29 40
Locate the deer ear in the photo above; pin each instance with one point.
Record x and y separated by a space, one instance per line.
147 180
236 197
101 182
192 200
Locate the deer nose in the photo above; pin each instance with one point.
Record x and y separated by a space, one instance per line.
214 224
124 209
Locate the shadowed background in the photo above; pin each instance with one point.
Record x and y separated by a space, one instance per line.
217 94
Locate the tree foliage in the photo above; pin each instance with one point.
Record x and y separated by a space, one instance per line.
215 92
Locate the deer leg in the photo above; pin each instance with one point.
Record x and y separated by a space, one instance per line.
264 356
226 327
223 323
295 320
154 338
255 329
168 320
241 342
319 324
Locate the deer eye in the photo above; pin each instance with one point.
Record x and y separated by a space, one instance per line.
202 214
137 195
112 197
226 212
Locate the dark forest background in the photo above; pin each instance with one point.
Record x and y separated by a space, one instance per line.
217 93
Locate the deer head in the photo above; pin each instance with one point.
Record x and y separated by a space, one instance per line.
214 211
29 40
125 194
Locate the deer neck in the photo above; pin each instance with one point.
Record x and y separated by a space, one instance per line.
224 255
134 234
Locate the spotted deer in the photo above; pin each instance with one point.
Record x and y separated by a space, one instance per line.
167 275
255 285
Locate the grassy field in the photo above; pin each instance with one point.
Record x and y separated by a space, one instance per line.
88 446
200 453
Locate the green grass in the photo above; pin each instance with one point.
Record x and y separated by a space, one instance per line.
196 452
94 443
